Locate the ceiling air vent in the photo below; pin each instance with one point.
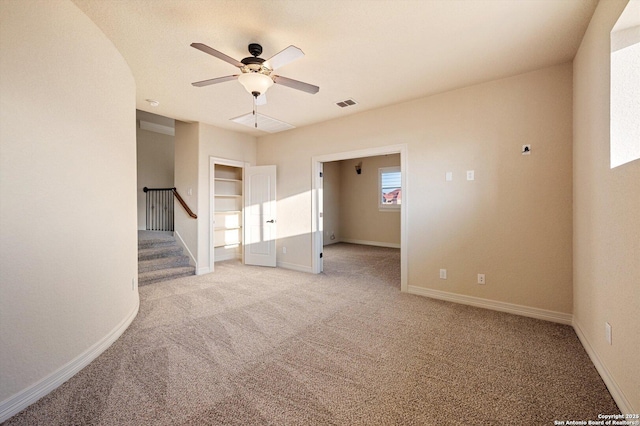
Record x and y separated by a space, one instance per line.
346 103
266 124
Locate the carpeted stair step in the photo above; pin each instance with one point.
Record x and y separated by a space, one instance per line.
164 274
160 258
162 263
159 252
156 242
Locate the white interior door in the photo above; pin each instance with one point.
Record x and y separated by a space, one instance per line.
260 215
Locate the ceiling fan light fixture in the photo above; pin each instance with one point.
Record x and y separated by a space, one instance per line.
255 82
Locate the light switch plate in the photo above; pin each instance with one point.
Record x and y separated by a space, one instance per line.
448 176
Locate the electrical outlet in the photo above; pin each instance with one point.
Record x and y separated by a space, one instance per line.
471 175
481 279
526 149
284 250
443 274
448 176
607 332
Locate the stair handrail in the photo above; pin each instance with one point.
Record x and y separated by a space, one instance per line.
175 193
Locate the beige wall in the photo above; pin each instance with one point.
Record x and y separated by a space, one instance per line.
606 228
155 154
186 182
68 252
513 223
360 219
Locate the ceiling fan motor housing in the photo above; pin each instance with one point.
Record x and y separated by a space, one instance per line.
253 63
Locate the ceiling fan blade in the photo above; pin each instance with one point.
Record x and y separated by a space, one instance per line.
262 99
219 55
295 84
283 57
215 80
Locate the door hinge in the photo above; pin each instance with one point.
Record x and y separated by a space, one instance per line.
320 255
320 174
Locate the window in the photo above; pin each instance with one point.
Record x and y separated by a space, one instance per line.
390 188
625 87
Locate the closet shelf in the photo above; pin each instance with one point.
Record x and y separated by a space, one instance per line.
228 243
227 180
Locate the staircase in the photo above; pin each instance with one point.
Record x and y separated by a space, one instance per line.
160 258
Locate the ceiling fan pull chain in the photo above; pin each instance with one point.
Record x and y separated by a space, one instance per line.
255 110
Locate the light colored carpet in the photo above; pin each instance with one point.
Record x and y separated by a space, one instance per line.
258 346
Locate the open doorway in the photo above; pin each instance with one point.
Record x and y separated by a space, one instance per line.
320 232
362 198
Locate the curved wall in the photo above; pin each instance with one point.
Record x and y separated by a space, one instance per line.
68 252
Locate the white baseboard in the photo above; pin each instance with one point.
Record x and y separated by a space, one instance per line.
21 400
614 389
202 271
512 308
369 243
192 259
295 267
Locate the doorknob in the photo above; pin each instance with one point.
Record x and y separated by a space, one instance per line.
271 221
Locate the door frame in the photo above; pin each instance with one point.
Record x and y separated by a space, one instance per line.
316 192
212 211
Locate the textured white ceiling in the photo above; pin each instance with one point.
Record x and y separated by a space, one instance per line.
378 52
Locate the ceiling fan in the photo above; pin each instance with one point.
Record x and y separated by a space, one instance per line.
256 73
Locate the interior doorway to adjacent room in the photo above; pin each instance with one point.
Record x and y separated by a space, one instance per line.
370 161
